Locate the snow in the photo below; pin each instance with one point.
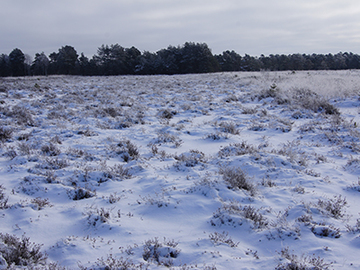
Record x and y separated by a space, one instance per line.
131 169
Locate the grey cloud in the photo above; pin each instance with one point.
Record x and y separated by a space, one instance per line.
253 27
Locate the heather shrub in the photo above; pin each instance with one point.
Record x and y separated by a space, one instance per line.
237 149
222 238
20 252
50 150
166 137
355 186
98 216
229 127
53 164
112 263
162 253
236 178
323 230
127 150
79 193
167 114
24 148
21 115
5 133
216 136
249 110
111 111
40 203
191 158
294 262
273 91
311 101
333 206
87 132
233 212
117 172
354 229
3 198
10 152
159 199
113 198
24 136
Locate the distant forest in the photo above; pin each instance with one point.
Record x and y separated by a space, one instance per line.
188 58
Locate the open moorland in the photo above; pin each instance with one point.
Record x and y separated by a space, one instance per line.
243 170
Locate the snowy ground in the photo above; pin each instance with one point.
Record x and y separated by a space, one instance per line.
212 171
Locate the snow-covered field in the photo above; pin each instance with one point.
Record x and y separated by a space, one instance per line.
211 171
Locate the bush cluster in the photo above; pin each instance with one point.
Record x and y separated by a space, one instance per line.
20 252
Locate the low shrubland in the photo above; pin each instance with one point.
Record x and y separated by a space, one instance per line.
233 165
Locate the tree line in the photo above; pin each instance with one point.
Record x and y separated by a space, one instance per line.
188 58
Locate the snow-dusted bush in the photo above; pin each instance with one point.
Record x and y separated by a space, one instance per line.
334 206
53 164
238 149
127 150
267 182
216 136
50 150
190 159
257 126
222 238
166 137
167 114
310 100
282 124
306 219
113 263
294 153
246 110
231 98
77 153
228 127
131 148
20 252
79 193
24 148
355 186
5 133
324 230
3 198
111 111
299 189
273 91
98 216
354 229
159 199
304 262
353 163
128 121
40 203
10 152
24 136
50 177
162 253
117 171
233 212
87 132
21 115
113 198
236 178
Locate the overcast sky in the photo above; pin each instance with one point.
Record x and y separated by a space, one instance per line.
254 27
